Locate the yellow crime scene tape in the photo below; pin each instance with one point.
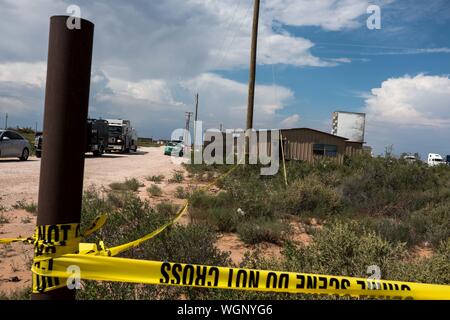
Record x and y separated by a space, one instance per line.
58 249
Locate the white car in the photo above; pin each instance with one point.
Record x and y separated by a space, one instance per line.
14 145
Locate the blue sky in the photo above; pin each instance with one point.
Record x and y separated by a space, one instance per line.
315 57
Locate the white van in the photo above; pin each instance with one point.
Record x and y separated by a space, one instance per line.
435 159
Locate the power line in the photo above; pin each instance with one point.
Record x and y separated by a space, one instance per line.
225 52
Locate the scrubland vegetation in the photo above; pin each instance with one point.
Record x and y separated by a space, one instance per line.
370 211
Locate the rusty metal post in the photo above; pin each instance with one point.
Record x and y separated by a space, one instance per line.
66 109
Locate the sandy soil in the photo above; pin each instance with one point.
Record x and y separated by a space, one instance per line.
15 258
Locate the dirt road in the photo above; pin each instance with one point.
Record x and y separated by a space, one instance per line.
19 180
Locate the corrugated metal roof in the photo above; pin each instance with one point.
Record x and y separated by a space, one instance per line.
314 130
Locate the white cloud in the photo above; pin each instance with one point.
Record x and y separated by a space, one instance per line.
153 55
418 101
225 101
412 113
22 87
163 38
291 121
329 14
150 90
22 72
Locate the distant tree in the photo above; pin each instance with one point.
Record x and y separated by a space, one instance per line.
389 151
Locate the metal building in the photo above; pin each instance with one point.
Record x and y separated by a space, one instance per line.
305 144
308 145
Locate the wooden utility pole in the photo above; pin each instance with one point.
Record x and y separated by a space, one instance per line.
6 121
66 109
195 120
251 83
188 121
196 107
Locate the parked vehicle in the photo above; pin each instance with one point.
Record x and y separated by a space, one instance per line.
448 160
174 148
122 137
96 138
12 144
435 159
38 144
410 159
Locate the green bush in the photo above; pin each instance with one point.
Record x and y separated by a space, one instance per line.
177 177
217 211
432 223
4 219
130 220
345 249
154 191
166 209
224 219
393 231
155 178
261 230
28 207
128 185
181 193
310 196
191 244
387 186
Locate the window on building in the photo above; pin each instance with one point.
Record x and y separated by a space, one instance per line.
327 150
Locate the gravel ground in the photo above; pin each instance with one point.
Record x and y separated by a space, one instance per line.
19 180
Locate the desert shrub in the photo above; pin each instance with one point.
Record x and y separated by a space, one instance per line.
435 269
377 184
181 193
223 219
392 230
118 198
310 196
129 221
251 193
4 219
177 177
191 244
432 223
128 185
30 207
155 178
154 191
217 211
344 249
261 230
186 244
166 209
25 220
200 199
